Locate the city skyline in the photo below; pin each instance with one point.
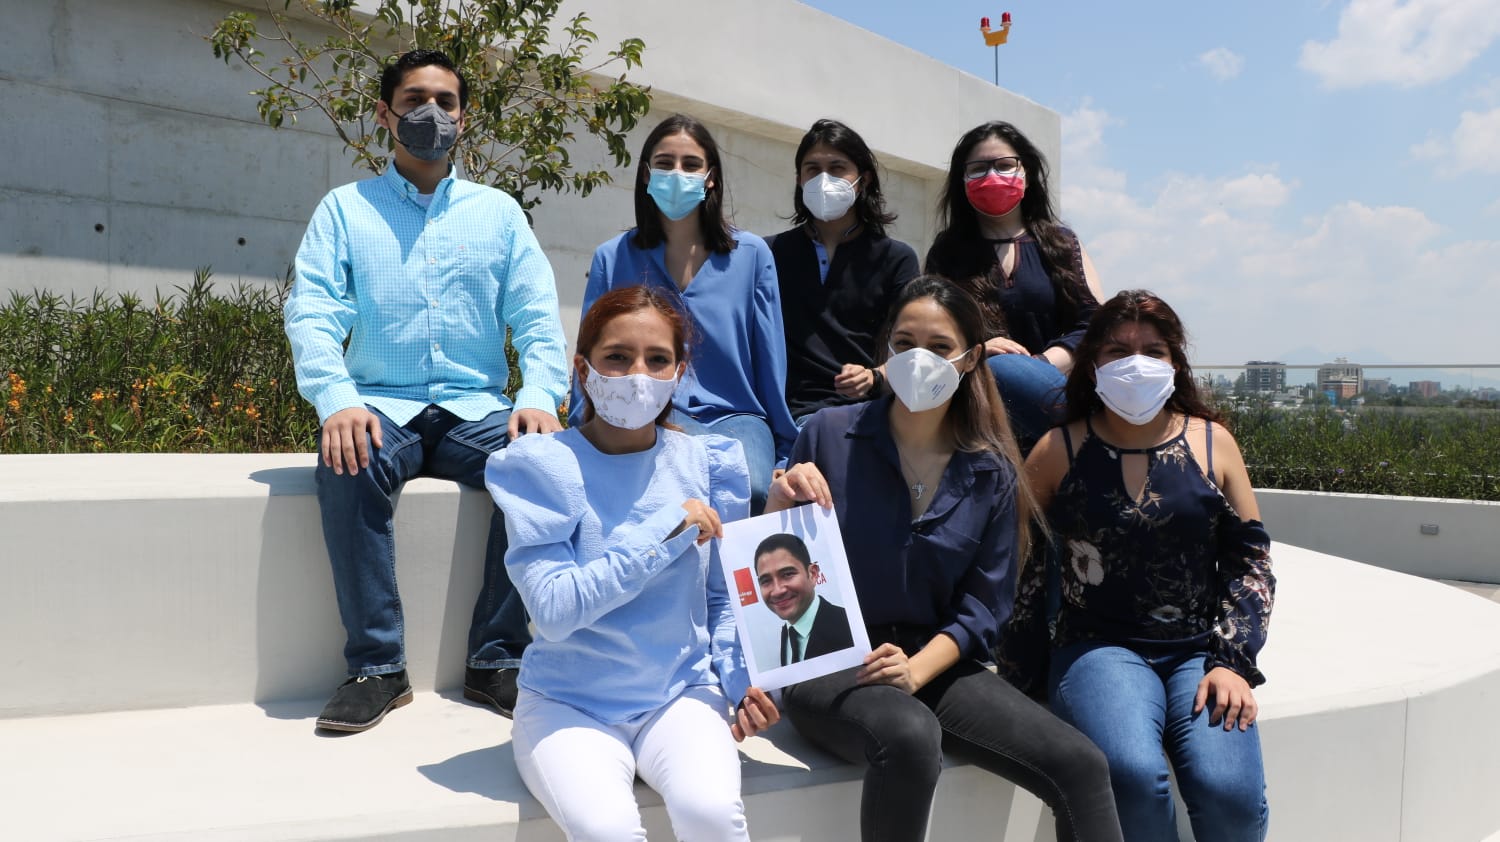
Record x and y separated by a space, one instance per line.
1291 177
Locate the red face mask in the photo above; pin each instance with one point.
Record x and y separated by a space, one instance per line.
995 194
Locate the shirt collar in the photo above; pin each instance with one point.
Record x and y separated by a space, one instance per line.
405 188
874 422
804 623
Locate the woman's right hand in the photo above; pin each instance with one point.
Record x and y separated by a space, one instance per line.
798 484
703 516
1001 345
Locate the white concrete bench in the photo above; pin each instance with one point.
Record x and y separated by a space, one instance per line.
172 633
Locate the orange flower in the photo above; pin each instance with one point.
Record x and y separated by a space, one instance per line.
97 396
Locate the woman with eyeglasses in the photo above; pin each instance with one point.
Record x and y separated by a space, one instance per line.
1003 244
720 277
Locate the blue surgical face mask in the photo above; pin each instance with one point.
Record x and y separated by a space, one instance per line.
676 193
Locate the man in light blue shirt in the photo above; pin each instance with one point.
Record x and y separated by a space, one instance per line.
422 273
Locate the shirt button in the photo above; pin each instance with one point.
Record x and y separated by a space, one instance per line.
432 260
433 302
436 346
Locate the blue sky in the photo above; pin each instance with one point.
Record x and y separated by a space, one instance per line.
1299 179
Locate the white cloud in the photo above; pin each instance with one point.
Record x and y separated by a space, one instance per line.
1474 145
1253 281
1222 63
1083 147
1476 142
1493 208
1406 44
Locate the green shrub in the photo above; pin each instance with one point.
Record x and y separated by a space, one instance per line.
193 372
1418 453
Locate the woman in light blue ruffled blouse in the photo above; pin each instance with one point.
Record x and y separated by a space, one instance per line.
636 666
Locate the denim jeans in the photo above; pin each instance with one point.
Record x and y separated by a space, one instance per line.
1136 702
360 534
753 434
974 714
1032 390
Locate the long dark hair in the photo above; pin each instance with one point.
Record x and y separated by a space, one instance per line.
623 301
976 417
717 235
869 205
961 253
1141 307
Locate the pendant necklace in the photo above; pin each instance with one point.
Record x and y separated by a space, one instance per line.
917 488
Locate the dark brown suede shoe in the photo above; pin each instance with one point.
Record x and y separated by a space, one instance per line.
496 688
360 703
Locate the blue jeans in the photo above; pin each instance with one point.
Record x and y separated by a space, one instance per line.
1032 390
1134 703
360 533
753 434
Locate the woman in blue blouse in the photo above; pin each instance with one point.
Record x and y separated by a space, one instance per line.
637 662
1002 243
724 279
1166 582
934 517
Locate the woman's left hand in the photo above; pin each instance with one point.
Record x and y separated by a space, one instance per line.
1233 700
754 714
887 665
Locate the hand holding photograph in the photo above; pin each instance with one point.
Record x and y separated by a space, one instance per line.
796 610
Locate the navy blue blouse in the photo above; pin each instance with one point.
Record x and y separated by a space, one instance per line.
952 570
1178 566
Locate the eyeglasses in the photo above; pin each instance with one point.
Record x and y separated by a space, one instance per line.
1000 166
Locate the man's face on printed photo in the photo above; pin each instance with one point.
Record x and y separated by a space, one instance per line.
785 584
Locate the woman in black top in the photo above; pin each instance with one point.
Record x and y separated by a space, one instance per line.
1002 243
838 271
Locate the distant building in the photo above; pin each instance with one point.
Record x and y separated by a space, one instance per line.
1425 388
1338 376
1262 376
1377 385
1487 394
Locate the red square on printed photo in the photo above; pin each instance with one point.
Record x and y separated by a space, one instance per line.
744 580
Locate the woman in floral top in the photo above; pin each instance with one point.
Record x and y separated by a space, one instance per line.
1166 582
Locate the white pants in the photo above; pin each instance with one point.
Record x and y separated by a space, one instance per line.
583 771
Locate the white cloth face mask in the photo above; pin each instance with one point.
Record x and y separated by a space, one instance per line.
922 379
630 401
828 197
1135 387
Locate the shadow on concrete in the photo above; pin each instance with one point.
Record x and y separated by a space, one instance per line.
487 772
283 482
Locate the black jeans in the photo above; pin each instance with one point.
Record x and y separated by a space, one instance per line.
974 714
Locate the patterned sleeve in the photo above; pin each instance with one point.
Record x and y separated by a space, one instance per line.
729 494
1246 591
319 313
1022 655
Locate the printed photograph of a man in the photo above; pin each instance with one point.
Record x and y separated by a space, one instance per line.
787 578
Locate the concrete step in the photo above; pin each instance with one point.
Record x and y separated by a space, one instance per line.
437 767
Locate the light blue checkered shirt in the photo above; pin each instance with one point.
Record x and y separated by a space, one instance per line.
424 295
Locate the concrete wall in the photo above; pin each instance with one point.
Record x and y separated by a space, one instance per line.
141 582
1388 531
137 156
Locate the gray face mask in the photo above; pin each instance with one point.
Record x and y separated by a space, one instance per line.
427 131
